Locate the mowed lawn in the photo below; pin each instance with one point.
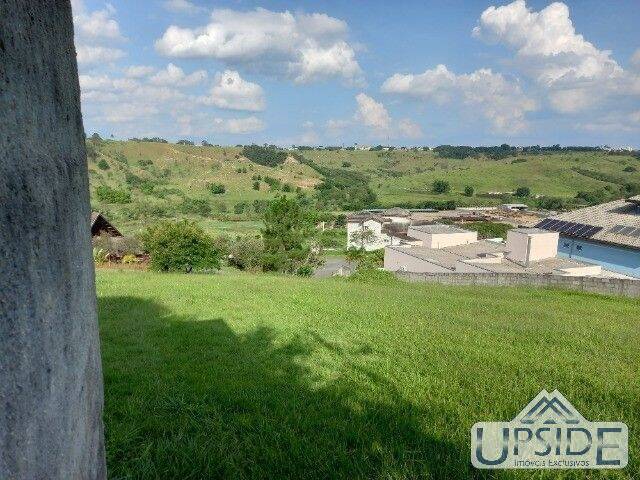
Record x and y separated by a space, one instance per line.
259 376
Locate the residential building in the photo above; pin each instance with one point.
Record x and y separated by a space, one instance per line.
607 234
373 231
445 249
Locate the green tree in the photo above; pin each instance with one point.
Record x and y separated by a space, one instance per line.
441 186
468 191
364 236
179 246
286 234
523 192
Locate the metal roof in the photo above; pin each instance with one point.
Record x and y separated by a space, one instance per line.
616 222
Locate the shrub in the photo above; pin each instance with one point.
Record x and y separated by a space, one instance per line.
552 203
441 186
304 271
222 244
346 164
100 255
630 169
523 192
120 157
145 162
103 165
129 259
468 191
245 253
217 188
112 195
256 185
195 206
179 246
240 207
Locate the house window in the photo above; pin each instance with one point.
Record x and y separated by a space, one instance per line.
566 244
579 247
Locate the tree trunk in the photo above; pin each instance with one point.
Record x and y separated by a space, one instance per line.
50 376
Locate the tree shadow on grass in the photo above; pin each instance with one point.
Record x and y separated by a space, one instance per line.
192 399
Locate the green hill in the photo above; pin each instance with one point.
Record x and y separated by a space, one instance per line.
135 183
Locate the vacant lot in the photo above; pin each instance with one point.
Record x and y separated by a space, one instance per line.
258 376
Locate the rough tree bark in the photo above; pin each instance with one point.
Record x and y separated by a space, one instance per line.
50 376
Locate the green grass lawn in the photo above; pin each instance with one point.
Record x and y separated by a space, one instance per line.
259 376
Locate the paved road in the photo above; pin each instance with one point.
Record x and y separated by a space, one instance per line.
330 267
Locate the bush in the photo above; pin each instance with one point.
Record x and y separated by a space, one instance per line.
103 165
145 162
441 186
256 185
100 255
195 206
245 253
217 188
240 207
552 203
112 195
346 164
523 192
180 246
129 259
630 169
468 191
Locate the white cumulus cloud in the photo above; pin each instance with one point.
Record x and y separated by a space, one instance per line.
374 115
139 71
230 91
302 47
497 99
548 49
95 34
175 76
182 6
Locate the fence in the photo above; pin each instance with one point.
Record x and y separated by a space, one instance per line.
605 286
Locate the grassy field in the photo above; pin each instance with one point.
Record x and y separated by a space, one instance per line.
259 376
172 173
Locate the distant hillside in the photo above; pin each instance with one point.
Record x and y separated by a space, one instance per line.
136 183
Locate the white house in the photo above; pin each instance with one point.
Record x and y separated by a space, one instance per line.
373 231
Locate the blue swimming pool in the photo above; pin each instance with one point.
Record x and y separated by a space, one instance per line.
617 259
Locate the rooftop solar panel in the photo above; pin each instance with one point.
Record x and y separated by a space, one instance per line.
591 232
616 229
626 230
569 228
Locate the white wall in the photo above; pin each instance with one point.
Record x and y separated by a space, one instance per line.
531 247
443 240
380 241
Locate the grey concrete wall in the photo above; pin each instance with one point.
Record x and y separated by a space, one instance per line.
606 286
50 376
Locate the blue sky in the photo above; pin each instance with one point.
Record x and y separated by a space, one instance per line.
332 73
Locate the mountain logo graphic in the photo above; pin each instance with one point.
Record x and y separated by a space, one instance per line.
550 409
549 433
